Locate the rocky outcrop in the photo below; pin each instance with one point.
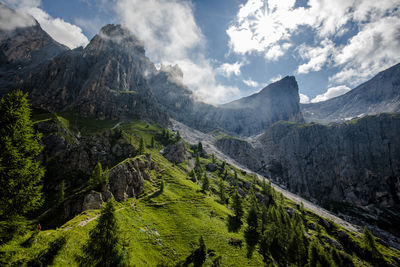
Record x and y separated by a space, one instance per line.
105 80
340 166
175 153
127 178
378 95
93 200
72 157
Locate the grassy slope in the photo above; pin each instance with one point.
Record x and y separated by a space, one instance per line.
158 228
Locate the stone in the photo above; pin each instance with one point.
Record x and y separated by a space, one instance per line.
175 153
211 167
93 200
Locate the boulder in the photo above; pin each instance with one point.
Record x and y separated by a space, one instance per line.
93 200
175 153
211 167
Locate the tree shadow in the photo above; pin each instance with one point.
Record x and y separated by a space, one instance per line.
234 224
47 256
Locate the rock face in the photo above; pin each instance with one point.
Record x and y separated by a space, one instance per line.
70 155
175 153
378 95
106 79
244 117
356 163
127 178
253 114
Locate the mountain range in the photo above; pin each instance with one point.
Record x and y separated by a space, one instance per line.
330 152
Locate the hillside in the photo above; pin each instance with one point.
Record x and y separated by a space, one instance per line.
162 227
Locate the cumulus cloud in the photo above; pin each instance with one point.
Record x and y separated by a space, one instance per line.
330 93
251 83
171 36
304 99
60 30
264 26
316 56
227 69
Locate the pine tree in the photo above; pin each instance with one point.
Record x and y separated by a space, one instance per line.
61 192
251 234
200 148
141 146
20 172
237 205
222 192
178 136
152 142
96 180
205 183
102 248
162 185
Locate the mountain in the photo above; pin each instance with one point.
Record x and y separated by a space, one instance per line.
342 166
106 79
378 95
22 40
243 117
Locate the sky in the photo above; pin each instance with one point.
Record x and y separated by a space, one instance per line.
228 49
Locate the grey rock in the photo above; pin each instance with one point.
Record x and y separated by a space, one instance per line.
175 153
127 178
211 167
93 200
378 95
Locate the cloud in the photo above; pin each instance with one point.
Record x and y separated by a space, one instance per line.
251 83
10 20
264 26
316 56
227 69
304 99
171 36
330 93
60 30
275 79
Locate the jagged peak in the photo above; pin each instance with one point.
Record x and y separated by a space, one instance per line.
173 70
11 19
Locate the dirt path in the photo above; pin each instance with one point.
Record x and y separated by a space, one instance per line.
193 136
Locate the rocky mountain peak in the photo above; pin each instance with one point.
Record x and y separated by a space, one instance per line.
116 39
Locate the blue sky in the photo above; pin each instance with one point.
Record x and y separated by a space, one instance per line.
232 48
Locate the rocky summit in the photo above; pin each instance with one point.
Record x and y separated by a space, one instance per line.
378 95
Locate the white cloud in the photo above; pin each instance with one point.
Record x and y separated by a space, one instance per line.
275 79
60 30
316 56
10 20
251 83
263 26
330 93
227 69
304 99
171 36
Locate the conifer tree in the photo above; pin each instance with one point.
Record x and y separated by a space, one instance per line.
178 136
222 192
61 192
152 142
162 185
251 234
141 146
205 183
200 147
102 249
20 172
96 180
237 205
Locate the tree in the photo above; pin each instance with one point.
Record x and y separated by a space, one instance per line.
152 142
199 255
96 180
206 183
178 136
222 192
20 172
141 146
237 205
200 148
251 234
102 249
162 185
61 192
